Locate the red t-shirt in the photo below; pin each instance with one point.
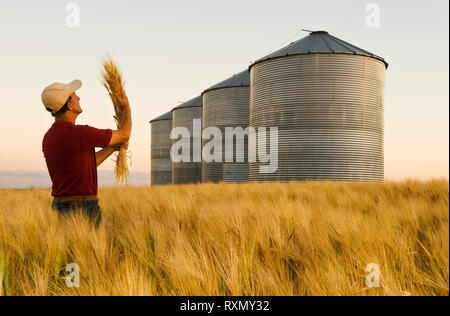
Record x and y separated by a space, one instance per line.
69 152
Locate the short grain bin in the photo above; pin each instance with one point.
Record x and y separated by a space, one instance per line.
184 116
161 164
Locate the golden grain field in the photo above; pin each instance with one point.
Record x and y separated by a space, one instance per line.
311 238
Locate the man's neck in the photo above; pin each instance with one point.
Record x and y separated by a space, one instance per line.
65 118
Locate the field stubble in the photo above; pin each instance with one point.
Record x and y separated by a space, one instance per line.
313 238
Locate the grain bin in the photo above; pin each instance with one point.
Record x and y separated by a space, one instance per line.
161 164
183 116
326 97
226 104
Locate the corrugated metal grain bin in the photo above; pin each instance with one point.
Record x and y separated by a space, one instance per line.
226 104
183 116
326 97
161 164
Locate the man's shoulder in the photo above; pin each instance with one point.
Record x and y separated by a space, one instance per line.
84 128
49 132
91 129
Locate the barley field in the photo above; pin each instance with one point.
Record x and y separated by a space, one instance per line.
313 238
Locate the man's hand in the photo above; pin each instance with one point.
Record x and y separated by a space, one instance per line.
122 101
117 147
101 155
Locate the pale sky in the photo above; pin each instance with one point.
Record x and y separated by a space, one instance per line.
170 51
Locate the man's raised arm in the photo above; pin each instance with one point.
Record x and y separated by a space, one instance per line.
123 134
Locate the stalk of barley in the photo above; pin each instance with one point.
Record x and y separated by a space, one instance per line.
114 84
1 279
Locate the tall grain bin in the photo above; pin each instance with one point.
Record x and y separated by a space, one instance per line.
183 116
226 104
326 97
161 164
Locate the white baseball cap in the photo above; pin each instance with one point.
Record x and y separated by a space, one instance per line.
56 95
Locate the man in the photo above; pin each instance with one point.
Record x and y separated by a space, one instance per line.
69 150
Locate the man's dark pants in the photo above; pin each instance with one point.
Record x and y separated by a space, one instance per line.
91 208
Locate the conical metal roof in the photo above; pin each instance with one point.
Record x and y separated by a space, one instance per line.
167 116
241 79
197 101
319 42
